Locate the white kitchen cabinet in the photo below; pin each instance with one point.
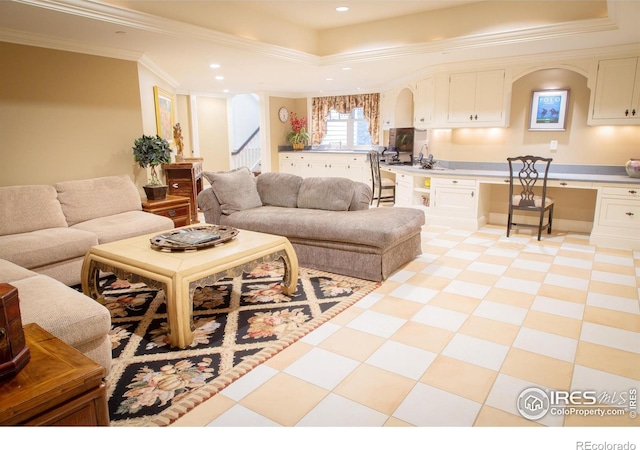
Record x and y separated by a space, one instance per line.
424 103
404 189
388 108
477 99
325 164
617 93
458 202
617 217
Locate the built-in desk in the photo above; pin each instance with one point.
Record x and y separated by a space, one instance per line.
469 199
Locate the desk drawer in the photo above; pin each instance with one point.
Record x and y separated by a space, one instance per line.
620 213
461 182
627 192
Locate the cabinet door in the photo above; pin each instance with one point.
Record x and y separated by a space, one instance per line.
462 92
424 103
617 89
388 109
404 190
477 98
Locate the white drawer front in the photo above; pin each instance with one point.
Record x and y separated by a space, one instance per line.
620 213
462 182
622 191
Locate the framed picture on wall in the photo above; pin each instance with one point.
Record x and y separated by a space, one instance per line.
549 110
165 115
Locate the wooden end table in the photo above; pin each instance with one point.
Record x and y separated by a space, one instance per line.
58 386
180 273
175 207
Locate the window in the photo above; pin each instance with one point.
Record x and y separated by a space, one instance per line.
348 130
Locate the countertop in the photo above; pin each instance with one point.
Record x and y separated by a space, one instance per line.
559 172
487 173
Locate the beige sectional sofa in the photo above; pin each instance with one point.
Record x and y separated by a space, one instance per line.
328 220
48 229
45 232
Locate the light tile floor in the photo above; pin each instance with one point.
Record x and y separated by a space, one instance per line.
454 337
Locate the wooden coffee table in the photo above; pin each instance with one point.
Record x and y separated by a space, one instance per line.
180 273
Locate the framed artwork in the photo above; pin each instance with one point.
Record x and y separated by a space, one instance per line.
549 110
164 113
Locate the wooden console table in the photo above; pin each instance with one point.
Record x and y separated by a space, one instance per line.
174 207
185 179
58 386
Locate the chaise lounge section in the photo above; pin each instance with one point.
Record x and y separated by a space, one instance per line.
328 220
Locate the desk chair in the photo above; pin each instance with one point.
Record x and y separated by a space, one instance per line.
379 185
529 172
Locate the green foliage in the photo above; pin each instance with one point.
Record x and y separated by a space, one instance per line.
151 151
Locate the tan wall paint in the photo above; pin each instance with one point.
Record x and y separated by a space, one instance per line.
213 132
279 130
66 116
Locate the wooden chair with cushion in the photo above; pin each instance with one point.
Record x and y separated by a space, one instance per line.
528 191
384 189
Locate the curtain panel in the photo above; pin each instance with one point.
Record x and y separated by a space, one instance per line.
320 107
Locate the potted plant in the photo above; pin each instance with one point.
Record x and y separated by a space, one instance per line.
151 151
298 135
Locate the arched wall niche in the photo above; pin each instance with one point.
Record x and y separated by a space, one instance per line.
404 108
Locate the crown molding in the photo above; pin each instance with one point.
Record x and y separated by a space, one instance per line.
117 15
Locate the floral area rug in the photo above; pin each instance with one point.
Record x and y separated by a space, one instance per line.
240 322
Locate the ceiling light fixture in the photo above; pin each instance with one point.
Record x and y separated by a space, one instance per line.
346 68
342 8
214 66
219 77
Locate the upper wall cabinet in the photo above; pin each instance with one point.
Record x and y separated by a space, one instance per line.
477 99
388 108
617 93
424 103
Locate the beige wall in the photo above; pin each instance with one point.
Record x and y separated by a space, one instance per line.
66 116
213 131
279 130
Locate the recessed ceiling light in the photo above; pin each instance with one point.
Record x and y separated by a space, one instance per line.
225 91
342 8
329 79
214 66
346 68
219 77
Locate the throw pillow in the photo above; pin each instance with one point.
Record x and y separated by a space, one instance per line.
328 193
235 190
279 189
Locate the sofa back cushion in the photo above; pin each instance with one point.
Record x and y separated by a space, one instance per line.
279 189
328 193
235 190
83 200
29 208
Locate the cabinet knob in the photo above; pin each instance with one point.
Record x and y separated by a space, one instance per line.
626 112
633 112
175 185
471 117
475 117
629 214
506 181
172 213
633 191
563 183
472 193
455 181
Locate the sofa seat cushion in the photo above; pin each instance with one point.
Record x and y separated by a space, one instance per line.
43 247
83 200
125 225
64 312
29 208
378 227
10 272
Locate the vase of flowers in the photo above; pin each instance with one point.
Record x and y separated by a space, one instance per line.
298 135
